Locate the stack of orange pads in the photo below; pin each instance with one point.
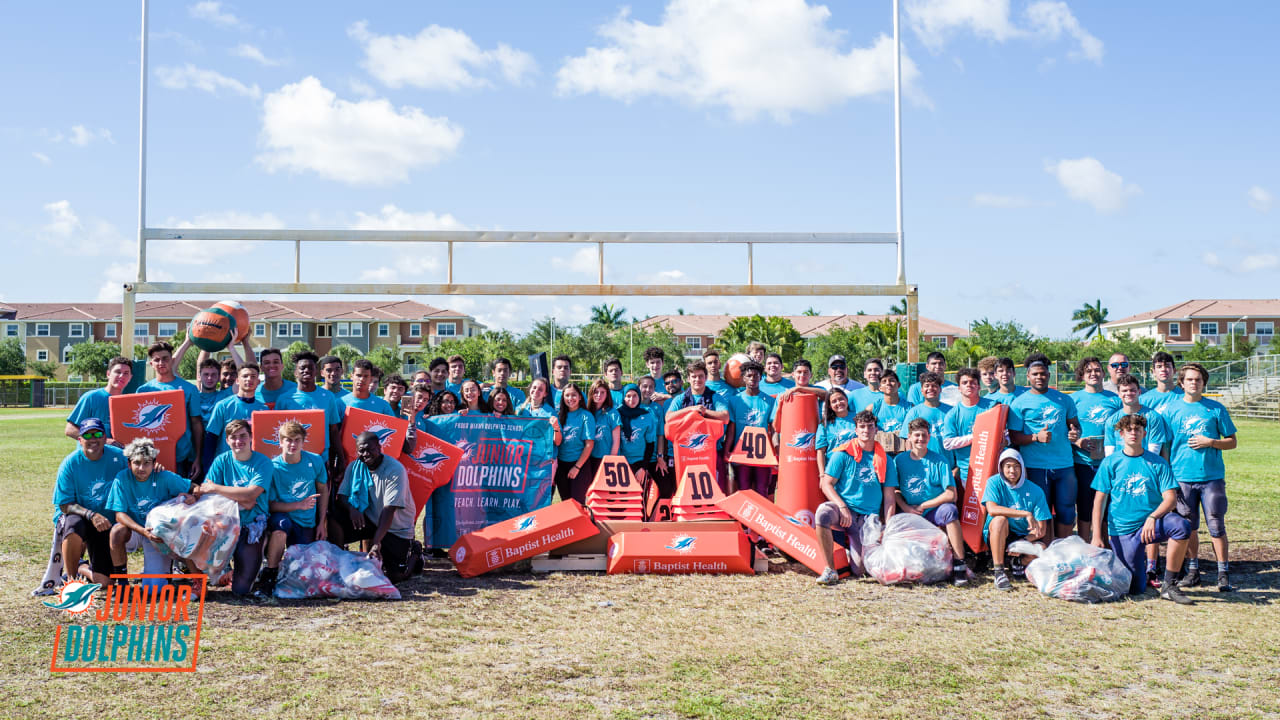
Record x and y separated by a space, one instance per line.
617 494
697 495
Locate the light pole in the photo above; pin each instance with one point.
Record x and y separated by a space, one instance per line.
1233 331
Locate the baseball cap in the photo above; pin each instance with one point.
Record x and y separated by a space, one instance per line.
92 423
835 359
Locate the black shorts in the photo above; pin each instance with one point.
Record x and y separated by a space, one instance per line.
395 549
96 542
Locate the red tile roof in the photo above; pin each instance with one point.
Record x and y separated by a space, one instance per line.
806 325
1190 309
396 310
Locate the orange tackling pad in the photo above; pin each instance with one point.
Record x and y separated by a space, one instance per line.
797 540
390 431
798 493
984 459
521 537
680 553
266 425
161 416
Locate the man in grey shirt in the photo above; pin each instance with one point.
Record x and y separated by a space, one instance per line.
374 505
1118 365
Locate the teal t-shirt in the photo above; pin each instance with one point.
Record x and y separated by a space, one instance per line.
749 411
935 417
256 471
87 482
373 403
271 397
1158 435
659 412
644 430
1092 409
722 388
93 404
579 427
136 499
772 389
836 432
1032 412
318 399
862 399
228 409
209 399
546 411
889 417
1026 496
1158 399
1187 419
517 395
606 421
958 423
857 483
921 480
298 481
1006 398
1136 486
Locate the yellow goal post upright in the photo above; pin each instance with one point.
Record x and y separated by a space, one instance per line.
898 288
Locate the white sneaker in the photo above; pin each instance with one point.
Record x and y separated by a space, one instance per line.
828 577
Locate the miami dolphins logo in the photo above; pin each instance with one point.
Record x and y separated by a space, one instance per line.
1098 413
525 524
430 459
755 418
1049 416
274 437
891 424
75 597
383 432
802 439
682 544
695 442
468 448
1194 425
97 488
1134 484
150 416
637 434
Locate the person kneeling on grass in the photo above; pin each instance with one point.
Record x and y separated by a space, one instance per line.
374 505
243 476
924 487
858 482
136 490
1016 510
1142 494
298 502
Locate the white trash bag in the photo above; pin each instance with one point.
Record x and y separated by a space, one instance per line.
205 532
322 569
910 550
1072 569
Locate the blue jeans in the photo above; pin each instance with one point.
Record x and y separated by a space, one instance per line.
1059 486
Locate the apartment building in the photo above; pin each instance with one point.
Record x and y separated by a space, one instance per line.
1180 326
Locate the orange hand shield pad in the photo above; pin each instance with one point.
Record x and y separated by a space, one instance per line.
984 461
390 431
161 416
266 430
521 537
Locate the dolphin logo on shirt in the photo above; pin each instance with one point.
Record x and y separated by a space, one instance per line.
1194 425
96 489
695 442
637 434
1049 415
802 439
1098 414
1134 484
755 417
150 417
682 543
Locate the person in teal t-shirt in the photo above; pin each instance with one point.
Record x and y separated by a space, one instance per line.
936 362
1167 388
1136 491
136 490
924 487
273 384
774 382
935 411
637 430
1043 425
889 407
298 501
80 501
1006 391
575 468
1093 406
1016 510
607 436
361 395
240 406
245 477
858 484
1158 436
957 426
750 408
190 446
97 403
837 426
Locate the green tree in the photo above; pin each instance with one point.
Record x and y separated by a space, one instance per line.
898 308
295 348
479 352
1002 339
12 359
777 334
89 359
607 315
811 312
43 368
1089 318
348 354
386 358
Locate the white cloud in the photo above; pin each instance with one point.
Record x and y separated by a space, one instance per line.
1210 259
584 260
191 77
117 274
1262 261
306 127
391 217
44 159
664 277
82 136
211 11
1086 179
751 56
437 58
63 221
197 252
937 21
1260 199
66 232
1254 262
250 52
1000 201
187 43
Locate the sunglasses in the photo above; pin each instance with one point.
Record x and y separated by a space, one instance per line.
838 366
1117 366
92 434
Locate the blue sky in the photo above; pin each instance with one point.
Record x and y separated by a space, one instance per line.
1054 152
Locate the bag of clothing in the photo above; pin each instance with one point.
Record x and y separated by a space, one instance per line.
322 569
1072 569
205 532
910 550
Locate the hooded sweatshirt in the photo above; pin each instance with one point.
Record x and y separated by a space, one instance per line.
1022 495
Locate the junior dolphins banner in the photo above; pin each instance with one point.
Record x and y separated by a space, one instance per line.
505 471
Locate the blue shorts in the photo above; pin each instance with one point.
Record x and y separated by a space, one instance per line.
1059 486
295 534
1131 550
942 515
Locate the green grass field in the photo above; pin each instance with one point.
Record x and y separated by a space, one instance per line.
593 646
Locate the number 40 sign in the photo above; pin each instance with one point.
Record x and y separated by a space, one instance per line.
754 449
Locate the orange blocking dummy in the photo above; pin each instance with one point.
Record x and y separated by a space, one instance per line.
984 459
696 496
754 449
798 493
797 540
521 537
678 553
693 439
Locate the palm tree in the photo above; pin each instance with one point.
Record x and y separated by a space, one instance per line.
1090 318
898 308
810 312
607 315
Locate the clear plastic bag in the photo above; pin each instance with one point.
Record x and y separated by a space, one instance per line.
204 533
910 550
1072 569
322 569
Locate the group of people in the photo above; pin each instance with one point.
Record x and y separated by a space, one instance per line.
1122 467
